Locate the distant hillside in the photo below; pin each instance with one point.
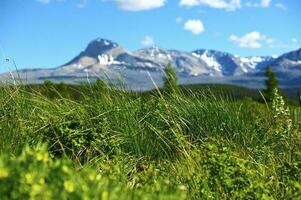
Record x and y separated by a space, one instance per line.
237 92
292 93
224 90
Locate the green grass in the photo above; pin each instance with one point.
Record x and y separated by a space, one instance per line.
87 142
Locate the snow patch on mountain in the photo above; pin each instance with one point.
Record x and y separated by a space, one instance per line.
150 65
210 61
105 59
251 62
292 62
106 43
196 55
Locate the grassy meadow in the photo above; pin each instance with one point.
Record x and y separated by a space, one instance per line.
95 142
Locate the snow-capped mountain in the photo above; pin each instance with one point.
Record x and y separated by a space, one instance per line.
107 59
105 53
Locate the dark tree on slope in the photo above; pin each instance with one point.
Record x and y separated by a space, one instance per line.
170 80
271 84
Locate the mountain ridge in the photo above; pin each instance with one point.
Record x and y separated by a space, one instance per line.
107 59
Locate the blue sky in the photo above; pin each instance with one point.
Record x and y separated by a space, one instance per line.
48 33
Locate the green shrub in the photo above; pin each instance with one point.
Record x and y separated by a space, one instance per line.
216 171
35 175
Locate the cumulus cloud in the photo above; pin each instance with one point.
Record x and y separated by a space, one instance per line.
196 27
139 5
147 41
257 40
252 40
230 5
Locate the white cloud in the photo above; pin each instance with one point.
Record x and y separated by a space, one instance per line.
139 5
179 19
148 41
257 40
252 40
281 6
230 5
196 27
43 1
262 3
265 3
189 3
294 40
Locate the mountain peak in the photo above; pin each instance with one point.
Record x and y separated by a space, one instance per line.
292 56
99 46
104 42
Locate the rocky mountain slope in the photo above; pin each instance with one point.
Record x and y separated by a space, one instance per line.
143 69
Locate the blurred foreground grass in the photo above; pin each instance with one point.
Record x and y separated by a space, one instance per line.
95 142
